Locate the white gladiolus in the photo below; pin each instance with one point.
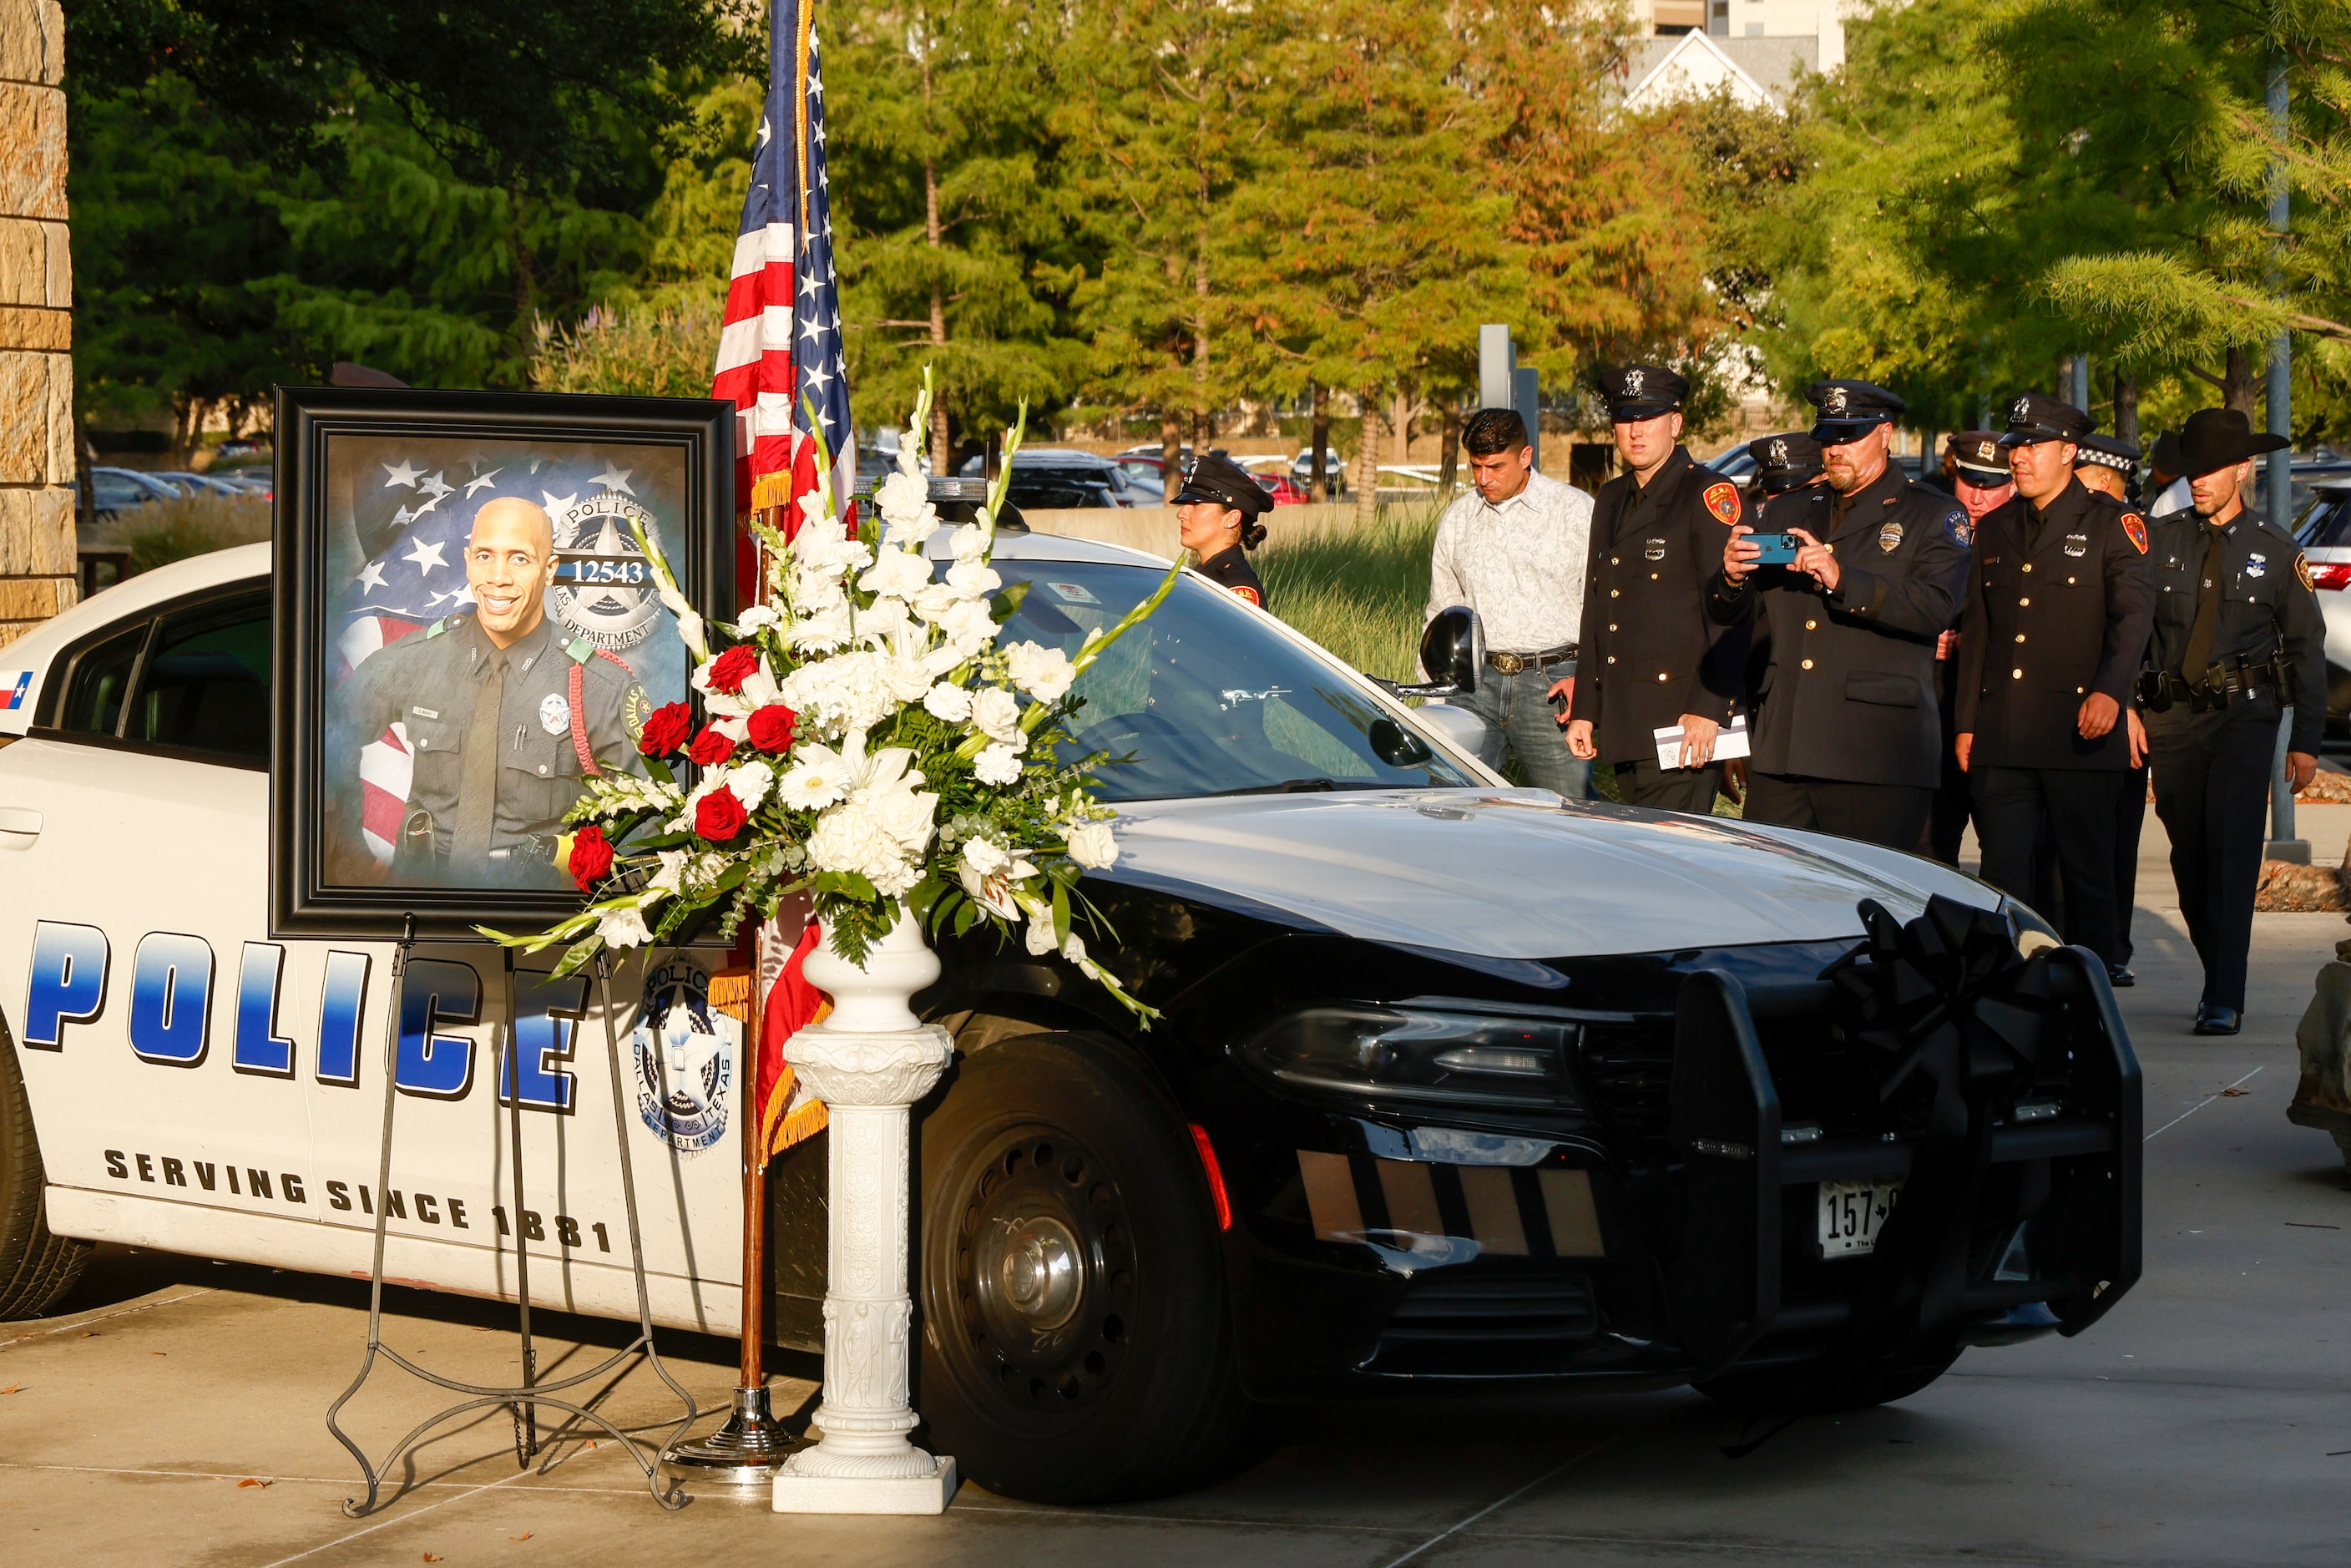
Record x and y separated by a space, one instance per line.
967 543
671 878
969 621
1044 672
1073 948
822 632
1092 846
899 573
1040 935
996 714
973 578
998 765
623 927
952 703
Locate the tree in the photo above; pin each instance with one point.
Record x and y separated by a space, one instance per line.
1166 116
948 192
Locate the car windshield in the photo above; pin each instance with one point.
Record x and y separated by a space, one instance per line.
1206 698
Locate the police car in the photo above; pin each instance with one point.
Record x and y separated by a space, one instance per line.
1456 1088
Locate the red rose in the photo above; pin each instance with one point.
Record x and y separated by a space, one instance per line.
710 749
771 727
732 668
591 857
666 729
718 816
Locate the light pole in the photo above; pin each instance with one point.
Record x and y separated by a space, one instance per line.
2283 844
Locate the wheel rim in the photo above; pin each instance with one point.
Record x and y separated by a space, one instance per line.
1039 1277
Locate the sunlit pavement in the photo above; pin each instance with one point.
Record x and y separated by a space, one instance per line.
175 1414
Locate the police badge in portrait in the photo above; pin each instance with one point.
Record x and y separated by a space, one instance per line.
1722 500
685 1052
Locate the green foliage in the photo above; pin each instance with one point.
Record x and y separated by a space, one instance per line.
644 352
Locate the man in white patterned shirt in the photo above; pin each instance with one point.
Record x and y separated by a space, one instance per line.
1513 548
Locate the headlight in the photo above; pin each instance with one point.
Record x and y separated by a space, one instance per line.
1422 1052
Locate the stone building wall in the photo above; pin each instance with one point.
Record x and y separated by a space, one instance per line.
36 431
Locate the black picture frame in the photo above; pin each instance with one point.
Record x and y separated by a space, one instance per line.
306 897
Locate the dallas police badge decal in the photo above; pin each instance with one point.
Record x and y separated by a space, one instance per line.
2077 545
1889 537
684 1058
1722 500
2135 530
604 586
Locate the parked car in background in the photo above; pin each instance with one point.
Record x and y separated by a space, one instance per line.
1063 476
195 483
1273 474
2305 475
1334 471
2322 529
115 490
256 484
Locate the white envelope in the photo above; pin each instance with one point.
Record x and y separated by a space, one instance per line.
1731 742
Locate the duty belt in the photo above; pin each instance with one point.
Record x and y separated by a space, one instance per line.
1511 663
2220 685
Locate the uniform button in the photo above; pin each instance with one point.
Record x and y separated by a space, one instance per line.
1663 676
1612 625
1612 658
1653 576
2069 582
1811 625
542 770
2077 691
2028 566
1614 561
2016 674
1808 663
2019 637
2025 604
1615 593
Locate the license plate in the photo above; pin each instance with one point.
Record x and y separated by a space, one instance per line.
1853 1213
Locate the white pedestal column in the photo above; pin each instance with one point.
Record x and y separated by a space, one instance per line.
868 1062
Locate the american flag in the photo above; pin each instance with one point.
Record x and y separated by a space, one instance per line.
779 362
779 351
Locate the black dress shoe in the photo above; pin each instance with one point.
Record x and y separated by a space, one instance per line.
2119 975
2213 1019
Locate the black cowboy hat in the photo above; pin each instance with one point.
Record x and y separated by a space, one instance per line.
2216 438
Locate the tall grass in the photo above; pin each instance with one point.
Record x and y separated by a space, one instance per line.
160 532
1359 591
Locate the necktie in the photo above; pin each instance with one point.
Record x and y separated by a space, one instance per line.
1837 509
2208 612
477 807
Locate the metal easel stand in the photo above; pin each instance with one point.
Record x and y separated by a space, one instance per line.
526 1397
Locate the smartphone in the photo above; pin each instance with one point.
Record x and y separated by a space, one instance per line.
1778 549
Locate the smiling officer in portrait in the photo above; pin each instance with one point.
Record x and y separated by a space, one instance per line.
505 711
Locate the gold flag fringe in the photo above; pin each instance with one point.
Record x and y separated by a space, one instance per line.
793 1115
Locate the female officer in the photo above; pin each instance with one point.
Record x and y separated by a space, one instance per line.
1216 513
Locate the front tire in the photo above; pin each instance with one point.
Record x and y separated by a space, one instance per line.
37 1268
1077 1344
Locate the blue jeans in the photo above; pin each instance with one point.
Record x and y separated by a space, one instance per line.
1519 720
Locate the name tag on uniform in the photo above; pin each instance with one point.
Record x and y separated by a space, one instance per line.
1729 742
1653 550
426 712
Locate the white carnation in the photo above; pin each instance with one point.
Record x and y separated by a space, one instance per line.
750 783
996 714
1092 846
1044 672
756 619
998 765
950 703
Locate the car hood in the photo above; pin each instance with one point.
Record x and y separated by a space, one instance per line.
1518 874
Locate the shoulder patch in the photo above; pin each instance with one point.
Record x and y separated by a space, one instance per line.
1722 499
2135 530
2302 570
1956 524
1242 590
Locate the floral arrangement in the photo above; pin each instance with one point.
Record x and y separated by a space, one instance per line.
865 739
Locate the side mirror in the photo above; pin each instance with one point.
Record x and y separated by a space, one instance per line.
1452 651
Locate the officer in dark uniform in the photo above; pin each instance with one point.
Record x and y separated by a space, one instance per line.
505 715
1650 657
2237 635
1216 518
2057 614
2109 464
1783 463
1848 739
1977 469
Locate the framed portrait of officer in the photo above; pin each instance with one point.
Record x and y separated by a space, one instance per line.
467 631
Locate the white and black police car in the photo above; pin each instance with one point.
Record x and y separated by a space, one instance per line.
1457 1087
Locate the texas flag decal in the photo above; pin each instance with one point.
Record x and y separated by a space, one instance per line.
19 686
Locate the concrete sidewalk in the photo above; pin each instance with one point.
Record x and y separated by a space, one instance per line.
175 1414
